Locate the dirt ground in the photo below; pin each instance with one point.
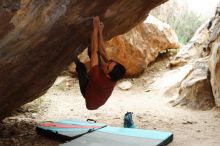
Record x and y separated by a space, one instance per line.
64 101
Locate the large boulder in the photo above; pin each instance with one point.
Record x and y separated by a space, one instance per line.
214 48
194 49
214 65
38 38
187 85
199 86
141 45
195 90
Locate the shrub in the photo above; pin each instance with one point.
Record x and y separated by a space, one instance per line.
185 25
183 21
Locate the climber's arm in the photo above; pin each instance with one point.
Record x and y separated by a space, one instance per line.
94 42
101 43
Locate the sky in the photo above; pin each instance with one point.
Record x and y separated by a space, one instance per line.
202 7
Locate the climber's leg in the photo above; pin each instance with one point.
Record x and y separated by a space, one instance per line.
82 75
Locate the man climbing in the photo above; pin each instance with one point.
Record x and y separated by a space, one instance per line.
97 85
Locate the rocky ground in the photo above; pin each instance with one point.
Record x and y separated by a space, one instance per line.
64 101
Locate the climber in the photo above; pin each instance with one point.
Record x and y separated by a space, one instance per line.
97 85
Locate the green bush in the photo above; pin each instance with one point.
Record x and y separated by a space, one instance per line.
185 25
184 22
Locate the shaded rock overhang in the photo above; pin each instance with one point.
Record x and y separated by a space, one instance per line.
38 38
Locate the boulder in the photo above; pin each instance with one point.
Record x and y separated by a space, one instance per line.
38 38
214 61
187 85
201 87
214 65
141 45
125 85
168 84
194 49
195 90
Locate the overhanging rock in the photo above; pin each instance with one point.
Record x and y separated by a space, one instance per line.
38 37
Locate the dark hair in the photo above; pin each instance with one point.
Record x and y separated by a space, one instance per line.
117 72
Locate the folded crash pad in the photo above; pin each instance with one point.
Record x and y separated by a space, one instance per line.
76 132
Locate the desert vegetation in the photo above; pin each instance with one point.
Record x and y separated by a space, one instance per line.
182 19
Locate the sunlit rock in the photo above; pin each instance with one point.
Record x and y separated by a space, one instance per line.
214 65
201 86
168 84
125 85
214 62
141 46
194 49
195 90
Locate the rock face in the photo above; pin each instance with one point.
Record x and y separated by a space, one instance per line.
37 38
212 48
200 87
188 85
195 90
214 62
141 45
194 48
214 65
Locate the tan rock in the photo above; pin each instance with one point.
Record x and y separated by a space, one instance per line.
199 85
194 49
188 85
140 46
195 90
214 65
168 84
125 85
214 62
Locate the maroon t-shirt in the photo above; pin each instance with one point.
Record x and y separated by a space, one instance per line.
99 88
